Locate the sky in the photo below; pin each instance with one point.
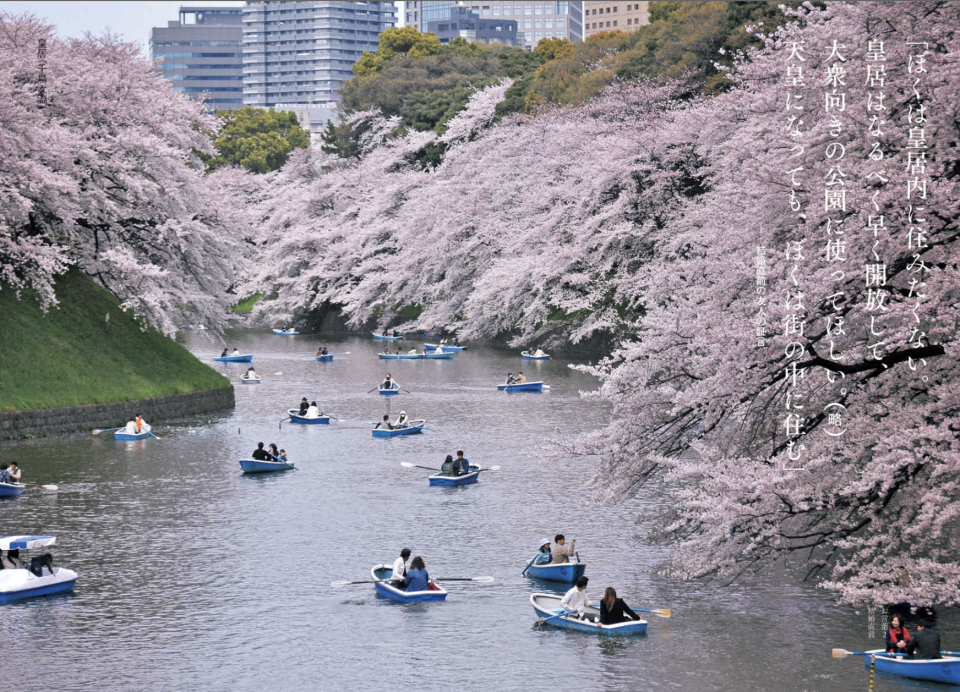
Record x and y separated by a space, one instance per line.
132 20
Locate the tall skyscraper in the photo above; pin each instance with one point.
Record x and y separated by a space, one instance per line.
202 52
591 17
536 19
302 51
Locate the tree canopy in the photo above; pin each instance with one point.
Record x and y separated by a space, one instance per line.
259 140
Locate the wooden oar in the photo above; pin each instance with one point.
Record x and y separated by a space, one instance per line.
98 430
152 435
661 612
408 465
45 487
492 468
482 580
843 653
552 617
338 584
405 390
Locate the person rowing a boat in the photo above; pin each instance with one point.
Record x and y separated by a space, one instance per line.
251 374
510 378
313 411
399 352
322 351
385 423
456 341
14 472
283 455
236 352
388 382
614 610
576 598
401 420
544 556
260 454
461 466
925 644
400 566
225 353
396 333
539 354
562 551
304 406
136 426
520 378
417 579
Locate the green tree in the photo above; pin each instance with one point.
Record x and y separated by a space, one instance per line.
259 140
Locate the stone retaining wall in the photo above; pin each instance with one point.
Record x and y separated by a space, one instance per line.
82 419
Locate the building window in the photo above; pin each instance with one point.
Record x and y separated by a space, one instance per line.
614 8
539 23
594 10
527 24
608 25
548 9
496 10
538 9
629 21
527 9
614 22
486 11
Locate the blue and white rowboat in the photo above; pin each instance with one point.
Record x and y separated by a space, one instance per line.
381 337
11 489
127 437
547 605
295 417
945 670
388 590
566 572
445 347
414 427
198 328
401 356
465 479
16 584
529 356
525 387
234 359
286 332
254 466
393 391
440 355
328 358
250 380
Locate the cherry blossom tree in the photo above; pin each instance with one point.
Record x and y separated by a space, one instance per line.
105 176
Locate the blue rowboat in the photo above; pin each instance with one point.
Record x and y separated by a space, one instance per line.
445 347
414 427
199 328
127 437
283 332
295 417
945 670
431 335
525 387
529 356
547 605
254 466
11 489
440 355
389 392
381 337
401 356
326 359
16 584
250 380
388 590
465 479
234 359
566 572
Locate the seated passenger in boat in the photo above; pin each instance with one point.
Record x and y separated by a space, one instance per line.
38 562
510 378
304 406
260 454
14 472
384 424
5 474
613 610
322 351
446 468
925 644
413 352
236 352
387 382
283 455
539 354
544 557
576 598
400 566
417 578
396 333
251 373
313 411
461 466
11 560
224 354
131 428
273 451
399 351
456 341
562 552
897 636
520 378
401 420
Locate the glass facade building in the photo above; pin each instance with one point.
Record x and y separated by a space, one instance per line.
535 19
302 51
202 54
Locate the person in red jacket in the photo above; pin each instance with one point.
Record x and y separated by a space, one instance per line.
897 636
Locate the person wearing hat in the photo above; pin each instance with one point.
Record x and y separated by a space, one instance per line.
544 556
562 551
401 420
400 565
576 598
925 643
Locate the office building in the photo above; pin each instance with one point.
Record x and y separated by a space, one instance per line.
588 18
467 24
202 54
301 51
535 19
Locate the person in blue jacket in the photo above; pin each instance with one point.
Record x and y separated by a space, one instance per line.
460 465
417 578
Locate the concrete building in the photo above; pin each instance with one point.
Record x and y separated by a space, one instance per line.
300 52
467 24
588 18
202 52
536 19
313 119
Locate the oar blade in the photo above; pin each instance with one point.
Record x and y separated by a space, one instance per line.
662 612
340 582
493 468
483 580
50 487
408 465
841 653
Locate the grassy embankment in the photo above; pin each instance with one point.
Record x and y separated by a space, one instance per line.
71 356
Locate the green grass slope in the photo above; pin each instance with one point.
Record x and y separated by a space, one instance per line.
71 356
